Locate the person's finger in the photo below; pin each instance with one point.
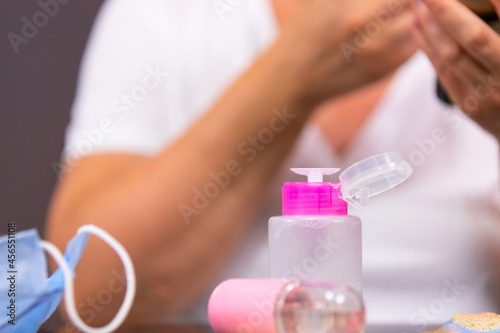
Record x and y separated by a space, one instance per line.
496 3
475 36
479 6
452 84
461 93
400 29
425 45
442 43
445 50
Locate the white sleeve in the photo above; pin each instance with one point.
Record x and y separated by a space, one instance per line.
120 102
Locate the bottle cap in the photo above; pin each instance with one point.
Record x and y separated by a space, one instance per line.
372 176
358 182
313 197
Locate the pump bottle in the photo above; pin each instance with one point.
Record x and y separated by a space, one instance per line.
315 239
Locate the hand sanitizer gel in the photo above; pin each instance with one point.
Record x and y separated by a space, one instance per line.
315 239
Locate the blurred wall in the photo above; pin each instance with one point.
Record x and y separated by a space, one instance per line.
40 49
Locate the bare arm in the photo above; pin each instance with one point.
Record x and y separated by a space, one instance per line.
143 201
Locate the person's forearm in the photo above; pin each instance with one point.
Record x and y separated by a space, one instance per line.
178 244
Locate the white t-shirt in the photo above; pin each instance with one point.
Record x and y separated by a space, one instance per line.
423 242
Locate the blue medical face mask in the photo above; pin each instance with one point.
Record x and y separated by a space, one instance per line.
32 296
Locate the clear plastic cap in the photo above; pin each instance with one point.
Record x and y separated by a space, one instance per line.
372 176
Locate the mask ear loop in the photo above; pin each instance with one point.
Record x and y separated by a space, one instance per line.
68 280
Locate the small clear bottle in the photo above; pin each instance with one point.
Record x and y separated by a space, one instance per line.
315 239
285 306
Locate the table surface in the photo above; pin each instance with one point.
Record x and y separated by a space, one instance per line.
56 324
369 329
207 329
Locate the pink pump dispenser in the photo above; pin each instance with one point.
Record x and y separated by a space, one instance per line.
314 197
315 239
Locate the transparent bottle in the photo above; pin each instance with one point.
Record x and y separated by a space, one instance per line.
315 239
285 306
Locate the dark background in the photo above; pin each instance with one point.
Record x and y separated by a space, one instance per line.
37 87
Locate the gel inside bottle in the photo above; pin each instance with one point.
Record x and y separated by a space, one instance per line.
285 306
315 239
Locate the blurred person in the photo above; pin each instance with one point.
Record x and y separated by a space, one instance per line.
188 117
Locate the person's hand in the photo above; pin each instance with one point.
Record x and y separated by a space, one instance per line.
466 54
336 46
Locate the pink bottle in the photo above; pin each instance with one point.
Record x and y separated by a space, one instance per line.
284 306
315 239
